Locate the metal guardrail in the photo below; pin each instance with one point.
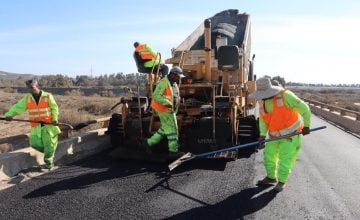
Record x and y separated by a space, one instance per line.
346 119
332 108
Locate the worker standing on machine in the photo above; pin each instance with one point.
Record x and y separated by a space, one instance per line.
281 113
165 103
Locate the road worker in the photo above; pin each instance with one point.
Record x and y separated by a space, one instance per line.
165 103
41 107
281 113
150 58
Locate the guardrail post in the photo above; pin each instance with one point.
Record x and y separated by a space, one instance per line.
65 133
342 112
106 124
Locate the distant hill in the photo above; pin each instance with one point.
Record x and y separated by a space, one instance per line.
7 75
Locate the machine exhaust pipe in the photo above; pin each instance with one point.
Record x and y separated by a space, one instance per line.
207 49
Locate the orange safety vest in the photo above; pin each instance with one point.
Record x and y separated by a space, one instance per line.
38 112
283 120
168 94
144 52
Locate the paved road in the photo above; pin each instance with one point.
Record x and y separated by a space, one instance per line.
323 186
324 182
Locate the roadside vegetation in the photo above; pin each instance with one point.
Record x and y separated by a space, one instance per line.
109 81
344 98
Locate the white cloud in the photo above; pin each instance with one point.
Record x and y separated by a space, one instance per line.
308 49
300 48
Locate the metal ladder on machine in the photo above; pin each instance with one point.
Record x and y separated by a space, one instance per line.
218 93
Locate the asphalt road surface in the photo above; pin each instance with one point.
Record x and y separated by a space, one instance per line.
323 185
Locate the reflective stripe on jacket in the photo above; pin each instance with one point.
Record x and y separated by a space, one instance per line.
162 96
40 111
144 52
283 120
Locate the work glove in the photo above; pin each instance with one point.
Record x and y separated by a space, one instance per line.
261 143
169 105
8 118
42 123
305 131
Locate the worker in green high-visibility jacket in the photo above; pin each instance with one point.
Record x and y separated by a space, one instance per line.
165 102
43 109
281 113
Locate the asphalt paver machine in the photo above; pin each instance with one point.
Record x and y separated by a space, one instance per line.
215 111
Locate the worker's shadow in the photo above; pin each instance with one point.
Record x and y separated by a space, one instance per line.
237 206
82 175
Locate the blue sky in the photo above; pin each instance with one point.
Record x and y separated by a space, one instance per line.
301 40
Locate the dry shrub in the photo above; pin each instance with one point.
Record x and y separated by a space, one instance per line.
3 108
107 93
74 92
9 90
95 95
6 147
93 109
97 106
73 116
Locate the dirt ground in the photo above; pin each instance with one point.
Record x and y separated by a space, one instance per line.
11 128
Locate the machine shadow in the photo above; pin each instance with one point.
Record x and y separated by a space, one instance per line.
98 168
101 167
237 206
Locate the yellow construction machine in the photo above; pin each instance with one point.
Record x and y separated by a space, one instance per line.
215 111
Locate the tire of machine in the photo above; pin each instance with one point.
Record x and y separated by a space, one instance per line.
115 130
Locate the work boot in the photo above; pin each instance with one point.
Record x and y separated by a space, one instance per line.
145 146
279 187
46 167
175 155
266 181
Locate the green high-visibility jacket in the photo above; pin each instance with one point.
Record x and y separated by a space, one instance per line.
291 101
20 106
158 94
151 63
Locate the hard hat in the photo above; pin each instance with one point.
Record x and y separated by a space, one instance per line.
31 82
177 70
274 82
